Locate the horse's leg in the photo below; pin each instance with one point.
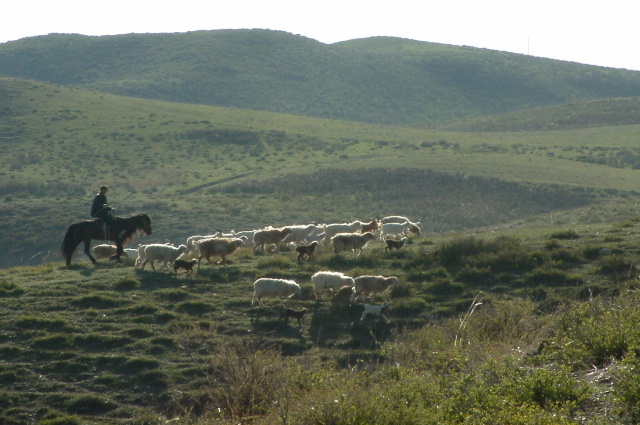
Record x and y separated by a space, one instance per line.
87 245
119 250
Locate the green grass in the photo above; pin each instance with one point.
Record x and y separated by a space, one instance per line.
378 80
490 326
194 169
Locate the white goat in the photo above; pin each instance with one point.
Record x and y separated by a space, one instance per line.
221 247
394 219
299 232
104 251
333 229
282 288
375 310
332 281
351 242
393 229
247 234
141 254
269 236
369 285
132 253
160 252
316 237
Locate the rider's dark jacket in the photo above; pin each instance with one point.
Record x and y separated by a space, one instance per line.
97 207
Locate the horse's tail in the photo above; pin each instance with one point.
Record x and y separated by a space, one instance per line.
70 242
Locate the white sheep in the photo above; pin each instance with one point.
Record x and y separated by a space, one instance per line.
282 288
375 310
299 232
219 247
141 255
393 229
333 229
131 252
332 281
247 234
394 219
161 252
370 285
316 237
104 251
394 244
351 242
269 236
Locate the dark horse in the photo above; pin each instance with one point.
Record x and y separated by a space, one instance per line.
84 231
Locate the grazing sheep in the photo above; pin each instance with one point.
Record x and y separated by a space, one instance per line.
394 244
220 247
375 310
184 264
296 314
393 229
351 242
269 236
332 281
104 251
333 229
160 252
300 232
369 285
372 226
282 288
394 219
305 252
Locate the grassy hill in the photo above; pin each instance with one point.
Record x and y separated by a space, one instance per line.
377 80
535 324
196 168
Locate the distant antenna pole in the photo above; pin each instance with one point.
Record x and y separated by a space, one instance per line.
528 42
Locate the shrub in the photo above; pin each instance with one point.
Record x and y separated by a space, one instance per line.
127 284
565 234
90 405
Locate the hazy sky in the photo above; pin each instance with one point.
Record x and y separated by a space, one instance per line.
603 33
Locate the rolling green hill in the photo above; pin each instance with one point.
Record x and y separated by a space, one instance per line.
198 168
377 80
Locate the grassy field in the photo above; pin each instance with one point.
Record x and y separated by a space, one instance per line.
196 168
537 323
517 305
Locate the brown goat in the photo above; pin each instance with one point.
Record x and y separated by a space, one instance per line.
370 227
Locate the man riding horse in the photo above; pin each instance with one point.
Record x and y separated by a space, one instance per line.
100 209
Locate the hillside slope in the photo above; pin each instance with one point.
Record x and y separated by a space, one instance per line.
377 80
198 168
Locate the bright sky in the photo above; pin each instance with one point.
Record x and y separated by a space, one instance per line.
605 33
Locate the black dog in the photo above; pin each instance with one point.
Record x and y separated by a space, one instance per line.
182 264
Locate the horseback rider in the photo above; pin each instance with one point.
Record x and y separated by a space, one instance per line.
100 209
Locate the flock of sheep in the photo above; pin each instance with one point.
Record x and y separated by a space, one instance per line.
343 237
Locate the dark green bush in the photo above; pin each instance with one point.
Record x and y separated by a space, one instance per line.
90 404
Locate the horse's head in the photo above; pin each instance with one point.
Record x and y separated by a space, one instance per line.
145 224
